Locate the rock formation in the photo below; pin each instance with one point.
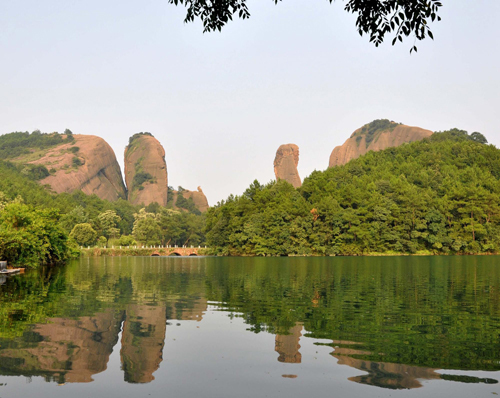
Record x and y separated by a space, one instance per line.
146 170
198 197
375 136
86 163
285 164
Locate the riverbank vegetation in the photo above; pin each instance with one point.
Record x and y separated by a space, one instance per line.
436 196
38 226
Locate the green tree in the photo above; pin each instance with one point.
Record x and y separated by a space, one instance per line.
76 216
126 240
83 234
31 237
108 222
146 229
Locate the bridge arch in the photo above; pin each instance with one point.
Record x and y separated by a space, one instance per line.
174 254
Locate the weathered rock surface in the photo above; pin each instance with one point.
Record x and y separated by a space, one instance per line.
375 136
146 171
198 197
285 164
88 164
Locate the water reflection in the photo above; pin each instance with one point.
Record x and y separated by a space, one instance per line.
287 345
63 350
381 374
395 320
142 342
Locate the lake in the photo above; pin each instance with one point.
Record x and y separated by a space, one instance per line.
247 327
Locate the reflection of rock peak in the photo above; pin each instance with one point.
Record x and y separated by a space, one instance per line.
287 345
142 342
68 350
393 376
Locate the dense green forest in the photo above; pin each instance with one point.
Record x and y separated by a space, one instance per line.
40 227
438 195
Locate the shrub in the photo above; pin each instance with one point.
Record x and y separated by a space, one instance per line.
31 237
140 178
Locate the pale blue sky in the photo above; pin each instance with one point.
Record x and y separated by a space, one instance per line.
222 103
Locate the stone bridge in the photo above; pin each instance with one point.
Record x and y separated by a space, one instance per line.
145 251
179 251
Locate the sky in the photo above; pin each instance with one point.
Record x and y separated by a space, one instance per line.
222 103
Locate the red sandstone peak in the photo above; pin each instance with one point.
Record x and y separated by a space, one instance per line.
375 136
285 164
87 163
146 170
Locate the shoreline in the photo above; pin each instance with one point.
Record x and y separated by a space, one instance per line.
203 251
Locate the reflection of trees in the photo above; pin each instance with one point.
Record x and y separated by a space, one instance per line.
393 315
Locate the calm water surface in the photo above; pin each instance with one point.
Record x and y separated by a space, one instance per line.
247 327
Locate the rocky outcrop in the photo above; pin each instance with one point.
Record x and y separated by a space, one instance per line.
146 170
285 164
85 163
375 136
197 197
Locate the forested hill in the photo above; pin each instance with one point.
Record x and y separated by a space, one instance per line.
438 195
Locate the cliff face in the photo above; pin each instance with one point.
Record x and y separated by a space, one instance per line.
146 171
88 164
375 136
285 164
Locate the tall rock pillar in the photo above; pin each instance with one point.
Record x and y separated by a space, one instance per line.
285 164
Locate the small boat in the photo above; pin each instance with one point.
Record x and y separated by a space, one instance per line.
10 271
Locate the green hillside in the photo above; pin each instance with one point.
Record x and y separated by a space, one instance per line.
35 223
439 195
